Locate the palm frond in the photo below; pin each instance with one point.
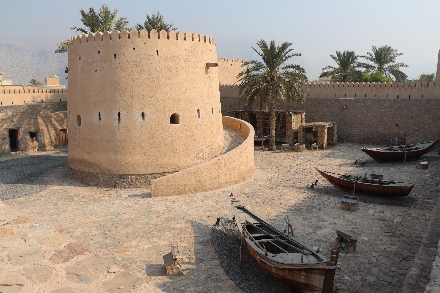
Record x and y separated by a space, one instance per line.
384 61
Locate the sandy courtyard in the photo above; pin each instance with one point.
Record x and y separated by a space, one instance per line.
60 236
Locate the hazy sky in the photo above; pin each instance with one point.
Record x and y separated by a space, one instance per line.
316 28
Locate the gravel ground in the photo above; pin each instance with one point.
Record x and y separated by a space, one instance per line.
23 175
397 238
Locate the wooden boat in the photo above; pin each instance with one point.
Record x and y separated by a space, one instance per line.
401 152
365 185
284 256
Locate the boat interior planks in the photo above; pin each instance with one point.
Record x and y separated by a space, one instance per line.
285 256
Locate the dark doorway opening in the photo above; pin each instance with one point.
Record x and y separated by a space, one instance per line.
63 136
13 140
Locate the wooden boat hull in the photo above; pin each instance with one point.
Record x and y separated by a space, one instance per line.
303 280
398 189
316 274
397 153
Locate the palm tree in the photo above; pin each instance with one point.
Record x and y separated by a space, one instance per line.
384 61
272 81
427 77
157 22
347 69
35 82
94 22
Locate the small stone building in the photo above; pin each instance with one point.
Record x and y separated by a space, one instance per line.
321 133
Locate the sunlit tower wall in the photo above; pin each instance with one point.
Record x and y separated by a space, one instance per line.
141 105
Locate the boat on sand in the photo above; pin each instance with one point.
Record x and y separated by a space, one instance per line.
375 185
401 152
284 256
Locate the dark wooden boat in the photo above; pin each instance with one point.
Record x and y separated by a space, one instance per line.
401 152
365 185
284 256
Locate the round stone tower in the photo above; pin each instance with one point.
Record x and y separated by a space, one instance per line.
141 105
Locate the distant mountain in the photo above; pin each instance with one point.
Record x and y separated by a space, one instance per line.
26 58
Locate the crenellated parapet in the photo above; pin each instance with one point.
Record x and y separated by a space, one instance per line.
102 38
33 91
30 95
369 84
373 90
231 62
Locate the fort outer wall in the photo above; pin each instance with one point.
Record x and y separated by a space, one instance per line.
27 96
48 121
30 111
142 104
394 113
230 168
363 112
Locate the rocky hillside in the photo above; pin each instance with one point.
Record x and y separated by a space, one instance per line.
22 59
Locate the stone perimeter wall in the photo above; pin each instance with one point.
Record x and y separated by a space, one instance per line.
363 120
395 112
230 168
372 90
45 119
26 96
378 121
142 103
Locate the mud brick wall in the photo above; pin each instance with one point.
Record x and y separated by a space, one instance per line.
378 120
372 121
44 119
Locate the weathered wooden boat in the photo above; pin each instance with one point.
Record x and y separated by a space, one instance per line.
401 152
284 256
376 185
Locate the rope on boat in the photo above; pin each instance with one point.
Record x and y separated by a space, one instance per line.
241 242
404 151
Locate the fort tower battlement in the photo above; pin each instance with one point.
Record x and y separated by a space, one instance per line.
229 69
142 104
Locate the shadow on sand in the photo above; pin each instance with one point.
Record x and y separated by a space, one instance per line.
249 276
405 201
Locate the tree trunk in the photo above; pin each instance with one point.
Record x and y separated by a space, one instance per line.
272 125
